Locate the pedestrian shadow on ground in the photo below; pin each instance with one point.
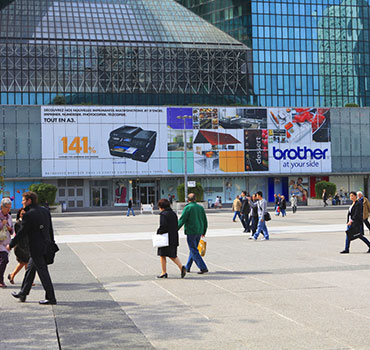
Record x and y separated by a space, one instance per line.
97 324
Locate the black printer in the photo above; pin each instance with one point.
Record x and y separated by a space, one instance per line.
132 142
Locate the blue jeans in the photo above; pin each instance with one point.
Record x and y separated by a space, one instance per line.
128 212
283 212
236 213
262 227
193 241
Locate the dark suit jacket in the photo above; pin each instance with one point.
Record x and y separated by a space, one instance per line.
168 224
356 216
245 206
282 204
37 225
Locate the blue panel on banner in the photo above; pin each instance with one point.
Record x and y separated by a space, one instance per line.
285 188
271 189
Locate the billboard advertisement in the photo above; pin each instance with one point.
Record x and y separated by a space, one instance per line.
124 141
299 140
103 141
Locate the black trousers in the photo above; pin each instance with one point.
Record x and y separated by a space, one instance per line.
245 221
38 264
366 222
254 223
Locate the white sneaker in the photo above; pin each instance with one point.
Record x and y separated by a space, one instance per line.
252 237
265 239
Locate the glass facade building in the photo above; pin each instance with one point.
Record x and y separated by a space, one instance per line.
131 52
304 52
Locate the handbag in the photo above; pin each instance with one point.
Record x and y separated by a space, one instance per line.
4 233
267 216
352 233
202 247
160 241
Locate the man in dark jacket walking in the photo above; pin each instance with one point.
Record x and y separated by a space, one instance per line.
245 212
282 206
37 226
195 221
129 208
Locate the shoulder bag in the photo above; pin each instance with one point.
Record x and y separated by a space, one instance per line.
4 233
267 216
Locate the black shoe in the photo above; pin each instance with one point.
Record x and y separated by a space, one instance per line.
368 251
20 296
183 272
162 276
346 251
201 272
188 270
48 302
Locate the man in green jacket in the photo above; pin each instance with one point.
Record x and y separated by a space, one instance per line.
195 221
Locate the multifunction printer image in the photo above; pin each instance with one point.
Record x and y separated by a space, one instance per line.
132 142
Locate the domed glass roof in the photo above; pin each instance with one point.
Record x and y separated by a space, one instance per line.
134 22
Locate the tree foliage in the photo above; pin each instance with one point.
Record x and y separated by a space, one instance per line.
45 192
59 100
197 190
330 187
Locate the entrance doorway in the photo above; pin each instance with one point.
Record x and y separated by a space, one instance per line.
99 196
147 193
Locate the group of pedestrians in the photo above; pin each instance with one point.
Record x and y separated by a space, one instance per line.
280 204
34 237
251 211
195 224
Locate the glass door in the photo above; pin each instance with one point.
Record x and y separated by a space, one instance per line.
151 195
144 195
99 196
147 194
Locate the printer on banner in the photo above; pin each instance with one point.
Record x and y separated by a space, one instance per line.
132 142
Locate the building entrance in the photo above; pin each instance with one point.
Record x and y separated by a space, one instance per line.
99 193
147 193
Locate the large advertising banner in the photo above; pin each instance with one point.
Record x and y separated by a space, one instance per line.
103 141
299 140
129 141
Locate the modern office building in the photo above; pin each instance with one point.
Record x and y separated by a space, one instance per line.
305 53
134 52
135 66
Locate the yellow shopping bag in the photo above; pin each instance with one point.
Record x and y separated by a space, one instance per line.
202 247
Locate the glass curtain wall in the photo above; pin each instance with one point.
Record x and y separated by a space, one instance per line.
311 52
305 52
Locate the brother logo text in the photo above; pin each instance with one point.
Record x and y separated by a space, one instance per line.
300 153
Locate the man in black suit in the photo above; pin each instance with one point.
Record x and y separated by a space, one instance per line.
245 212
37 225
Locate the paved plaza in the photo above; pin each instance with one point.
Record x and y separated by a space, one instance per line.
293 292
